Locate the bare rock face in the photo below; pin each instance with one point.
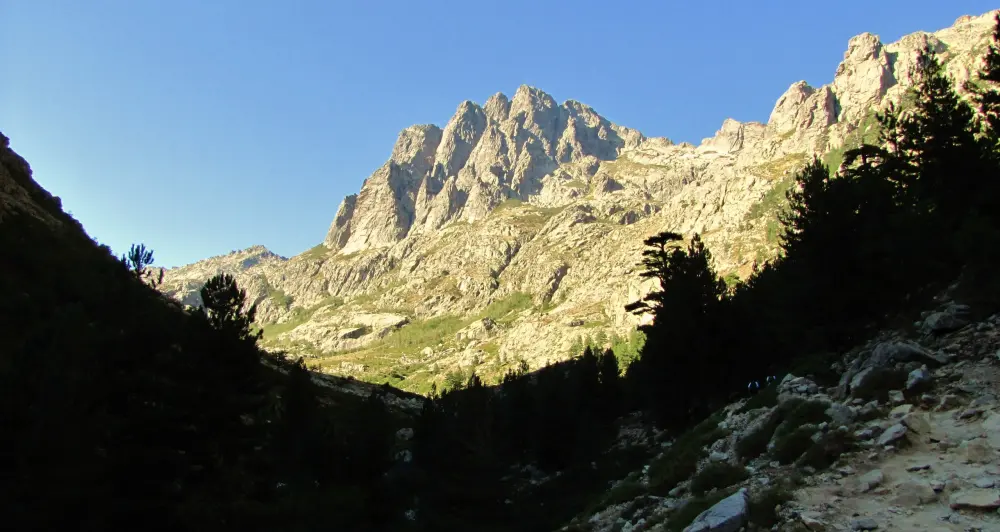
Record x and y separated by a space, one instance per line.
863 77
482 157
532 213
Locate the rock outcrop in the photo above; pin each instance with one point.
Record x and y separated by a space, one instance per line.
533 213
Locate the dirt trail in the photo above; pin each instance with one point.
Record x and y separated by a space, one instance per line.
955 458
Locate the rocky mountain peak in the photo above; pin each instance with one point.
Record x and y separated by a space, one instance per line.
415 146
483 156
497 107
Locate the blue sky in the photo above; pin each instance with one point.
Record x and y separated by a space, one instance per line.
202 127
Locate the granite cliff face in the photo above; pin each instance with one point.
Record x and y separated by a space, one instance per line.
516 228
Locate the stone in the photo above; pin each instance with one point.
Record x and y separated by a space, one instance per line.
870 480
985 482
812 522
797 385
718 457
913 493
868 433
937 485
864 523
975 500
896 397
949 401
900 411
841 414
917 423
976 451
918 380
727 515
892 434
942 322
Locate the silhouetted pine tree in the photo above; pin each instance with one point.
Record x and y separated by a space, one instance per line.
678 361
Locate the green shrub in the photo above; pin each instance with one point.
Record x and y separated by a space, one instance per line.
767 398
717 475
790 446
827 450
755 443
801 413
762 505
783 420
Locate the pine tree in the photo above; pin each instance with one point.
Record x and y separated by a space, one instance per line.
936 141
986 96
224 302
679 355
138 260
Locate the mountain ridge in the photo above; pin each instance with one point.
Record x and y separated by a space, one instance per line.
540 208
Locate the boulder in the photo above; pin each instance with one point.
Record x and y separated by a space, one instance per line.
976 451
841 414
871 480
919 380
975 500
728 515
942 322
797 386
913 493
886 354
917 423
892 434
863 523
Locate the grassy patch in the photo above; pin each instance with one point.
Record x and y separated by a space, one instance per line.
501 309
772 200
866 133
279 297
772 232
421 333
315 253
299 316
777 168
490 348
715 476
509 203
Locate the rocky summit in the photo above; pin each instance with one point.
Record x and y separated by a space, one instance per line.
519 225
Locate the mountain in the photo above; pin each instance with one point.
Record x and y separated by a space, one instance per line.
514 232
